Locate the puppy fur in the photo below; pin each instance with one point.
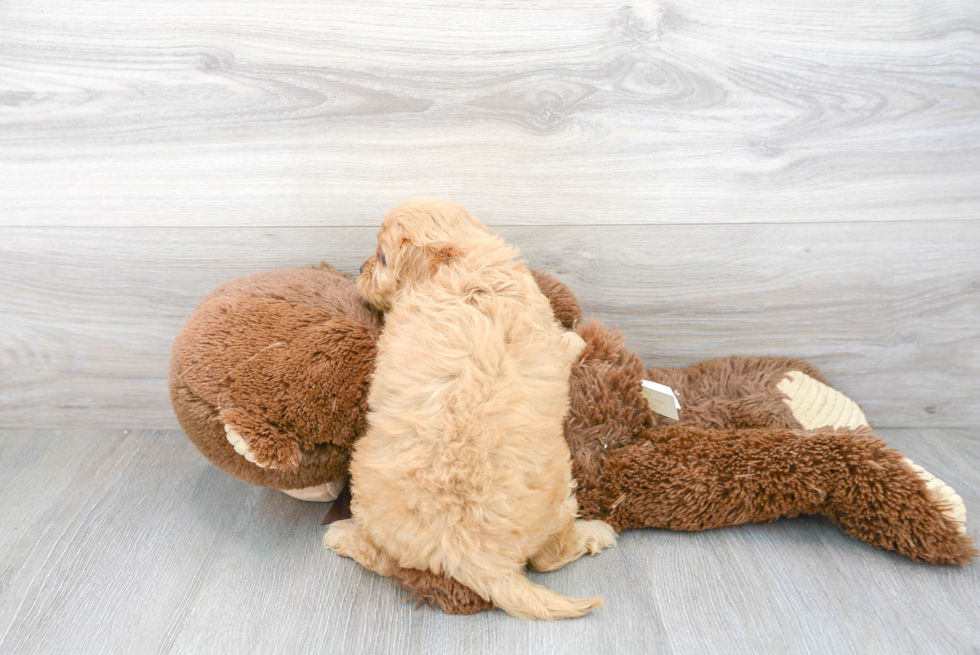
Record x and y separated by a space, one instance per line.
464 469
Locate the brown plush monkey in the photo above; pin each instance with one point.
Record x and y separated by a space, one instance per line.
269 379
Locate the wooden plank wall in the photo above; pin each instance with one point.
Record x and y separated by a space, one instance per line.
714 178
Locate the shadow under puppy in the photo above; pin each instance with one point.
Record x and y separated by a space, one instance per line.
464 469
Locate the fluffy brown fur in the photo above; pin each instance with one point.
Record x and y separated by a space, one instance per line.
464 469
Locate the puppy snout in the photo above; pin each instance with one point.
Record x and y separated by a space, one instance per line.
362 269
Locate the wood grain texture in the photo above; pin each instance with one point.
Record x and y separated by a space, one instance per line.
88 315
294 113
132 543
714 178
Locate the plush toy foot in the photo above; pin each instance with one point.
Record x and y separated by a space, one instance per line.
881 497
816 405
943 496
346 539
583 537
321 493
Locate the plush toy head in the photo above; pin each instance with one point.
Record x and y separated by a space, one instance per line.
269 377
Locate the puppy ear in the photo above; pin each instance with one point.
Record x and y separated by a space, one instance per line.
407 252
443 254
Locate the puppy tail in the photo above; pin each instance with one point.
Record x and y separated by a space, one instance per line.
523 599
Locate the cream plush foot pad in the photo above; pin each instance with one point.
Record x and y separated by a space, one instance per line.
322 493
943 493
815 405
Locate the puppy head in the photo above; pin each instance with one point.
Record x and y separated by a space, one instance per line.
416 238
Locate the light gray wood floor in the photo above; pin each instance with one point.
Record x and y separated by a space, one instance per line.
130 542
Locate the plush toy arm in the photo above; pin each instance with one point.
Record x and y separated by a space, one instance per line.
692 479
258 441
563 301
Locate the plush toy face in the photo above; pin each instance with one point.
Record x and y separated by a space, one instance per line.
415 238
299 344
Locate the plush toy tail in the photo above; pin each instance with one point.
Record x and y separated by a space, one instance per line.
523 599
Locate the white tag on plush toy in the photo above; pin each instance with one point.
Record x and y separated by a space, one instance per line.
661 399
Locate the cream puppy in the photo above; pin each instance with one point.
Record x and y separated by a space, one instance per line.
464 469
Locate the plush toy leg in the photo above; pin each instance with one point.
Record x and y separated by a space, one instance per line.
816 405
684 478
582 537
743 392
953 508
689 479
347 540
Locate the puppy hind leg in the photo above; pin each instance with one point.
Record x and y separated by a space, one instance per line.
348 540
580 538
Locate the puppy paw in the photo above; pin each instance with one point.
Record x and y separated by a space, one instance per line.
341 537
583 537
597 535
573 344
346 539
953 508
